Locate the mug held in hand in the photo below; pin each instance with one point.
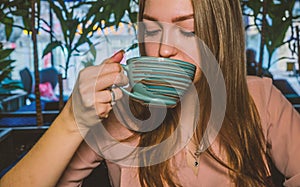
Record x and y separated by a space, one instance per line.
158 81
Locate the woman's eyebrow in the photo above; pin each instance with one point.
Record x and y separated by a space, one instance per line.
183 18
150 18
176 19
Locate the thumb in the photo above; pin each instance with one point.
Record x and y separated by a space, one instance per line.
117 57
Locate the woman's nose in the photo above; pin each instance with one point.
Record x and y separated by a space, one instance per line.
167 48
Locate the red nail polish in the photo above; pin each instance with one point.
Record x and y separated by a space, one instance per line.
120 51
118 55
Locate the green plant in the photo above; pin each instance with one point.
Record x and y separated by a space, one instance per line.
6 67
272 19
8 10
11 8
100 14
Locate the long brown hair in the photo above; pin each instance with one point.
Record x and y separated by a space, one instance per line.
219 24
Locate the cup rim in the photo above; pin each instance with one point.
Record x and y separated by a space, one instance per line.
160 59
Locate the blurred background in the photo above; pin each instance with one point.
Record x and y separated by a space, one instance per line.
45 43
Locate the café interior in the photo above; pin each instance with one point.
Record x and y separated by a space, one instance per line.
39 69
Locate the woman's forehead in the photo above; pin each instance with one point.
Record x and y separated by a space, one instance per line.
168 10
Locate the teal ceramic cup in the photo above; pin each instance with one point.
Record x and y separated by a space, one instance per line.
159 81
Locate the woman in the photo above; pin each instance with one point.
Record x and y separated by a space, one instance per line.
259 122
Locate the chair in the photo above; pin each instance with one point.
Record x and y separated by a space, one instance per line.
27 81
49 75
46 75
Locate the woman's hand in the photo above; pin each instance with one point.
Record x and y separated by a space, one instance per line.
90 103
94 93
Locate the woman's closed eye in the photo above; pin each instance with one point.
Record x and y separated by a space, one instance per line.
187 33
152 32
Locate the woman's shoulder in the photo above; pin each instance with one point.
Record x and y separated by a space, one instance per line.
261 91
260 88
255 82
272 105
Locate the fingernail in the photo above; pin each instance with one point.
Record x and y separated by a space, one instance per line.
118 56
121 51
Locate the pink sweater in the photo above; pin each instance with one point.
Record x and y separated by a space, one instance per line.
281 127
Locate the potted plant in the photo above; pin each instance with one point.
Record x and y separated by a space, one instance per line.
268 17
26 9
99 16
8 100
8 9
6 67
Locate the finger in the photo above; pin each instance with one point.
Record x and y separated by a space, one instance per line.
107 68
108 80
116 58
89 75
102 109
105 96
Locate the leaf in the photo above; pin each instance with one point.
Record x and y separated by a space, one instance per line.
119 10
93 51
133 46
4 64
50 47
133 17
83 39
22 13
8 26
26 23
5 53
255 5
95 8
63 5
275 37
72 27
4 74
12 85
60 17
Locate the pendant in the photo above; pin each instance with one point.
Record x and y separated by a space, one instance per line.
195 167
193 160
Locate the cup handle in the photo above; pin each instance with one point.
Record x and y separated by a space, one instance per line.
129 93
126 68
